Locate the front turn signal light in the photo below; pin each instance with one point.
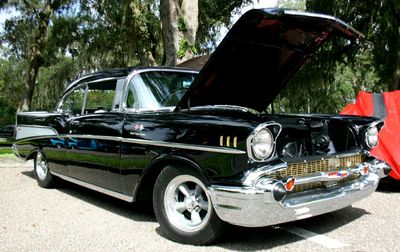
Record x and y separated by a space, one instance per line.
289 185
365 170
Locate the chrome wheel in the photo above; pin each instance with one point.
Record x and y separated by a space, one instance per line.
187 204
41 166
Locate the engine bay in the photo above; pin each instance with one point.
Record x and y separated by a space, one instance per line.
310 137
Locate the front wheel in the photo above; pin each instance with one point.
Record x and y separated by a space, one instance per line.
183 207
42 172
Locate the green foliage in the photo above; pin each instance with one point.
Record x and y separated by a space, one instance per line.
380 23
118 34
181 24
328 85
5 152
87 35
52 82
83 36
12 79
183 47
212 15
292 4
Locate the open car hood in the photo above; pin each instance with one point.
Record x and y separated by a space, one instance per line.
259 55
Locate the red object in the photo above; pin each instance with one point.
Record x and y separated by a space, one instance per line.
389 137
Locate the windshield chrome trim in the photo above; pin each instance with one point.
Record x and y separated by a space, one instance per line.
139 71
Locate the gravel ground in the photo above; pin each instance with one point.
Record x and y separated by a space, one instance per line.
72 218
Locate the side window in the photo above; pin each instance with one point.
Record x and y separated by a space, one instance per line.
72 104
130 101
92 98
100 97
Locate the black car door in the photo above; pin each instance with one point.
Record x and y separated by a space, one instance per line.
93 152
94 137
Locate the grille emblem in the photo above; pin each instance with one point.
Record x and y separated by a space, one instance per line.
340 174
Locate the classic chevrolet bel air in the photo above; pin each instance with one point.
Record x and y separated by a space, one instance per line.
206 147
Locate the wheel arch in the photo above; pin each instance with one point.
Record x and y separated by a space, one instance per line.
145 185
32 154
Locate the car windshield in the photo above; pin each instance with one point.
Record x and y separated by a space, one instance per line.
155 90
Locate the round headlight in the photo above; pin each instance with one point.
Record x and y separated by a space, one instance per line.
371 137
262 144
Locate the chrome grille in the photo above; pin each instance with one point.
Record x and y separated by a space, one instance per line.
323 165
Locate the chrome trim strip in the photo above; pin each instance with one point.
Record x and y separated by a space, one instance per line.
162 144
139 71
97 137
105 79
147 142
184 146
94 187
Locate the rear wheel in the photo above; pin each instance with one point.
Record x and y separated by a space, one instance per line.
42 172
183 207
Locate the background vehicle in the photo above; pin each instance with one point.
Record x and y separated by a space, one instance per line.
7 132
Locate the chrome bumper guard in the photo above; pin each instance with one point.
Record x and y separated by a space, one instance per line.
15 150
266 202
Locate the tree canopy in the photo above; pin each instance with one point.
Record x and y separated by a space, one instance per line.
334 76
51 42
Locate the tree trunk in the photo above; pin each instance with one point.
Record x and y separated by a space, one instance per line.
395 83
179 23
35 55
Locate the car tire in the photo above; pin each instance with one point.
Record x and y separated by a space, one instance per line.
183 207
42 172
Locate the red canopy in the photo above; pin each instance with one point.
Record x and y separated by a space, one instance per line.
387 107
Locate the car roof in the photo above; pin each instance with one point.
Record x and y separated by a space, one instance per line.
117 73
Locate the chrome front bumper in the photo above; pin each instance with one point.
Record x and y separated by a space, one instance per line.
264 204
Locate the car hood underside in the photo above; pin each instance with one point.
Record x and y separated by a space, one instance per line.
258 56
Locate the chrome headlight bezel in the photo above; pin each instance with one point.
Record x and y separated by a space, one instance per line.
371 137
255 140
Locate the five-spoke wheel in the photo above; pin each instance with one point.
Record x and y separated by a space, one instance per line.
183 207
186 203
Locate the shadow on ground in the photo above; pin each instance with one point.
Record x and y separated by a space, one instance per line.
236 238
138 211
389 185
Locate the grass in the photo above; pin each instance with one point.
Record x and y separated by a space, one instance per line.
6 153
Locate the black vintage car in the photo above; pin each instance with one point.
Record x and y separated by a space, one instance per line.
7 132
203 146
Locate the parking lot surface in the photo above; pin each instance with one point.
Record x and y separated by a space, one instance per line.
72 218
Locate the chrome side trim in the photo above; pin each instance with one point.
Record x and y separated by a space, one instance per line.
29 131
94 187
162 144
184 146
97 137
148 142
